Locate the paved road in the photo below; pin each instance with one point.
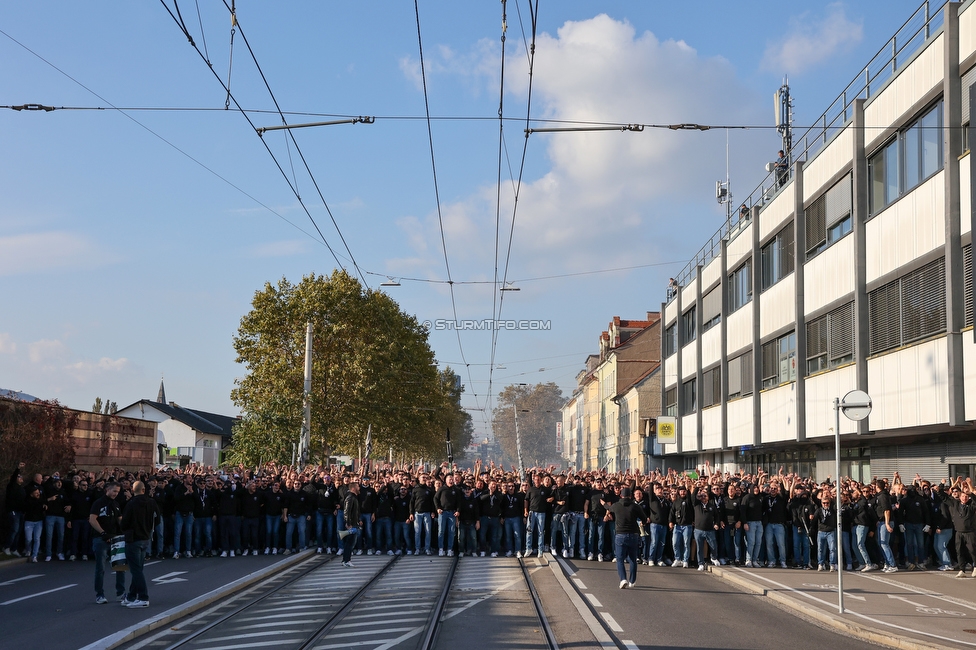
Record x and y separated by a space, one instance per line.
52 604
682 608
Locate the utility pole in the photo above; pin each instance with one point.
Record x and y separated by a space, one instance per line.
306 440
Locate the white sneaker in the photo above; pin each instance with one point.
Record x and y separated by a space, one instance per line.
508 554
176 556
600 557
494 554
61 556
223 554
715 562
701 567
359 552
519 555
274 551
565 553
748 564
267 551
590 557
391 553
369 552
136 604
684 565
449 553
409 552
84 558
624 584
482 554
349 564
232 553
318 551
188 554
287 551
631 585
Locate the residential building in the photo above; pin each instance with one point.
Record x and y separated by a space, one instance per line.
184 435
616 392
854 271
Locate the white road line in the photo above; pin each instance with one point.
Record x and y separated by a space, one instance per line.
630 645
49 591
922 591
259 644
614 625
579 583
593 600
853 613
151 563
10 582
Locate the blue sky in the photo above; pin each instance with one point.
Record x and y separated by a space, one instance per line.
131 243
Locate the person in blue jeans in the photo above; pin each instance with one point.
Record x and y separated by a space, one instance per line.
628 516
825 517
105 521
681 520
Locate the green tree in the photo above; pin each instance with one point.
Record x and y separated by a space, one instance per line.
538 411
371 365
36 433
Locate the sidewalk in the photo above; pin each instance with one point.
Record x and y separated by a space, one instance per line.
911 610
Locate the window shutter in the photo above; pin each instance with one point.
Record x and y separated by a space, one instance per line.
770 361
967 80
816 216
923 300
967 270
747 371
838 204
817 337
712 304
884 314
842 333
735 376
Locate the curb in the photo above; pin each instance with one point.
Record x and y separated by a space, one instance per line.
165 618
863 632
599 632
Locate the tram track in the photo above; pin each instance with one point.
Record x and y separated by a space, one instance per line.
382 603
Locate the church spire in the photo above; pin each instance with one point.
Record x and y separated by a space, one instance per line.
161 396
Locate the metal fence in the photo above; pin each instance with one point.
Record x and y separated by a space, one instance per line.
923 26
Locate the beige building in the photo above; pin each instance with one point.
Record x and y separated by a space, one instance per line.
618 393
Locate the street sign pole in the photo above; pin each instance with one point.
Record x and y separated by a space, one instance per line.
856 406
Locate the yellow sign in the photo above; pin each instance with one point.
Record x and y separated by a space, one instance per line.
667 430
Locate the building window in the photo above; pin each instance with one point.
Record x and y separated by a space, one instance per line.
740 376
711 387
829 217
670 340
907 161
711 308
779 361
689 397
671 401
830 339
740 286
689 327
908 309
777 257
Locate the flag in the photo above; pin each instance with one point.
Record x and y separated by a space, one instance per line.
450 450
369 441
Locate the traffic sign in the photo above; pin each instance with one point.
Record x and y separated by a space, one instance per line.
856 405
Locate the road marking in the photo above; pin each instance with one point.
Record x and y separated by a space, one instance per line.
924 609
901 598
630 645
169 578
579 583
10 582
152 563
593 600
49 591
922 591
833 588
853 613
612 623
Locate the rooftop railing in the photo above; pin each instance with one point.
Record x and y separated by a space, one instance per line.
923 26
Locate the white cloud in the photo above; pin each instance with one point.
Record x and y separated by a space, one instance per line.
87 372
44 251
607 198
7 346
46 351
811 40
478 67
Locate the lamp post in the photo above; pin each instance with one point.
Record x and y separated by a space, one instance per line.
856 405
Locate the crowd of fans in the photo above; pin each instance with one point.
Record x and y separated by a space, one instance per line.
753 520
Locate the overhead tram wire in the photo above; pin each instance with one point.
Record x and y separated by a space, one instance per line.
437 196
298 149
125 112
294 190
534 15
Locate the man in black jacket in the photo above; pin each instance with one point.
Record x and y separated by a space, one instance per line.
138 522
681 519
658 509
229 511
14 500
776 513
421 507
104 519
351 516
626 515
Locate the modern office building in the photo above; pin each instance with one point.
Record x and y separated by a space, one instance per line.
853 270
